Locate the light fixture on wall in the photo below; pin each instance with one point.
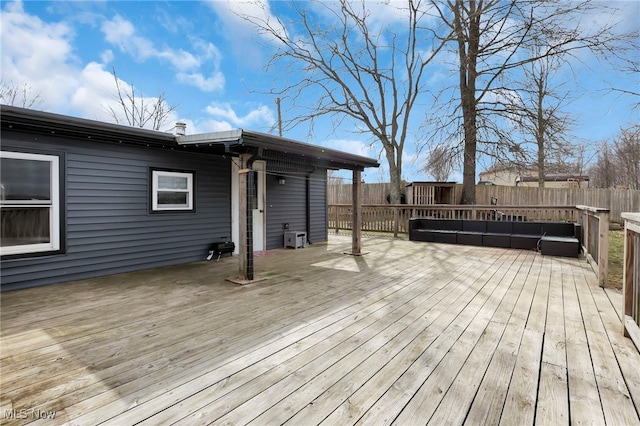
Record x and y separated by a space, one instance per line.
281 180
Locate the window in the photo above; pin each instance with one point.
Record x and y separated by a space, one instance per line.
29 203
171 191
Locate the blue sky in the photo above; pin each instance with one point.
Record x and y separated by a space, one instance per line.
209 63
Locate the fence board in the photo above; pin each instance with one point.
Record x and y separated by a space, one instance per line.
616 200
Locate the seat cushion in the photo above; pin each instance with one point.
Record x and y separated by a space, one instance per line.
559 246
525 242
496 240
470 238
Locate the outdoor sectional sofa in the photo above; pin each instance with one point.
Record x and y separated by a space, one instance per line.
551 238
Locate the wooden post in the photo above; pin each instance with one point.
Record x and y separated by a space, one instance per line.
627 275
396 219
631 277
242 205
356 233
603 247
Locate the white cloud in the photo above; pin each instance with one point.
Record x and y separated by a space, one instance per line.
215 83
224 112
121 33
239 15
106 56
244 41
37 54
95 92
352 146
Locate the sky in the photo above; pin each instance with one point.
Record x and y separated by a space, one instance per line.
210 65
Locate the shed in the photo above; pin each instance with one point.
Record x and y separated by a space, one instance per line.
428 193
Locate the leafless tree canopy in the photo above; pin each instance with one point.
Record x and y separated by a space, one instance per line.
440 163
354 70
136 110
21 95
618 163
491 38
542 129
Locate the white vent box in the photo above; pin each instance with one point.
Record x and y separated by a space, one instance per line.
294 239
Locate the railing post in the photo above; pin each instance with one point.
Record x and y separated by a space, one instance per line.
631 278
396 219
603 248
356 223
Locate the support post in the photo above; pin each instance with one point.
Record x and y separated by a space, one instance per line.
356 241
603 249
245 268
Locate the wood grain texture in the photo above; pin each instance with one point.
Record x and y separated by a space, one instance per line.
411 333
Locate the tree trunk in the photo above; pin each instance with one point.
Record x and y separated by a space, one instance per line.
468 55
541 131
395 193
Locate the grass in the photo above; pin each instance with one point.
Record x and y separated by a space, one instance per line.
616 254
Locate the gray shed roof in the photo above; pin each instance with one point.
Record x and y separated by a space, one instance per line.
233 141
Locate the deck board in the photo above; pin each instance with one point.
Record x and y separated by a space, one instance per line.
411 333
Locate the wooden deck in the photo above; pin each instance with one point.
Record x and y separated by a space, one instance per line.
411 333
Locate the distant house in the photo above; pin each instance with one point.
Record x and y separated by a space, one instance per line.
556 181
529 178
82 198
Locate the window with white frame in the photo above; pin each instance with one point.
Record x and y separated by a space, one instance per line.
29 203
171 191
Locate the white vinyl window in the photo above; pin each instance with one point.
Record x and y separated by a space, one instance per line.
29 203
171 191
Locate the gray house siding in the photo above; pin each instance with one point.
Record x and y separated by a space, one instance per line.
288 203
318 196
108 227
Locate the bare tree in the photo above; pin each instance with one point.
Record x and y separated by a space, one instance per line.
136 110
627 151
537 112
354 71
603 172
618 161
21 95
440 162
490 36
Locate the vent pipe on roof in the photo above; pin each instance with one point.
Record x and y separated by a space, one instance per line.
181 128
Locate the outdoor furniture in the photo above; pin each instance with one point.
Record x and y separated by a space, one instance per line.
551 238
220 248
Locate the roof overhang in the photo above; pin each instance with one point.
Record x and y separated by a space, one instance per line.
32 121
240 140
230 142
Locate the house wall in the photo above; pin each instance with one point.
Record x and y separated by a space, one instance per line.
287 204
555 184
108 228
506 177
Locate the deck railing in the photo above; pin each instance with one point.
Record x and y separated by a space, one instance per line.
631 277
595 241
395 218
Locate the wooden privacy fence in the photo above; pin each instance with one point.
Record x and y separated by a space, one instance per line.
395 218
631 277
615 200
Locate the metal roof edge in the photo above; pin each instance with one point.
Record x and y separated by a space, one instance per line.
211 137
17 113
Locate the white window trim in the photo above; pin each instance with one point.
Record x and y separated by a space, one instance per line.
54 207
171 207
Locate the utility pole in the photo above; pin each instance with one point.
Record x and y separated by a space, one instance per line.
279 118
